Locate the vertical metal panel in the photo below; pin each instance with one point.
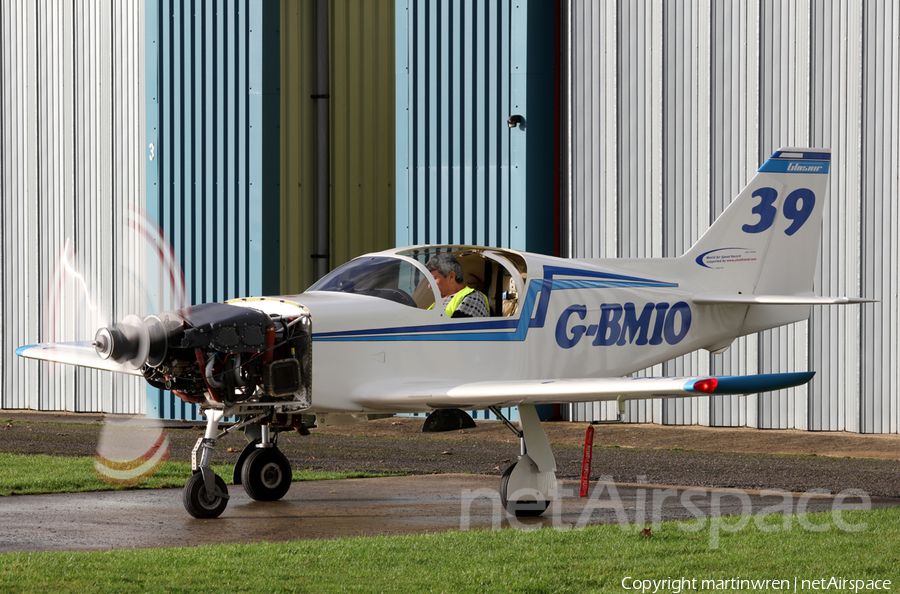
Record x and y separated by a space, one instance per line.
71 176
362 114
128 156
362 128
531 206
470 66
403 177
298 145
640 134
263 149
214 84
785 117
217 113
878 407
741 78
733 160
458 159
836 92
687 84
591 129
20 317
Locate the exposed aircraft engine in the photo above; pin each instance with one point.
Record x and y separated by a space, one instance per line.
217 354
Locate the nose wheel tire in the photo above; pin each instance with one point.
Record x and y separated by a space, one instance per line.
201 504
266 474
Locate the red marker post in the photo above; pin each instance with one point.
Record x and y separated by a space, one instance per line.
586 464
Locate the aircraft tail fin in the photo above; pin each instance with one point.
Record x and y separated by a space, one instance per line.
766 242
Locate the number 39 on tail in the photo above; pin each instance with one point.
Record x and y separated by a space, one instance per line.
367 340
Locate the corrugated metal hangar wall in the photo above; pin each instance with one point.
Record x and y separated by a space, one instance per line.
670 109
213 83
666 109
71 193
464 174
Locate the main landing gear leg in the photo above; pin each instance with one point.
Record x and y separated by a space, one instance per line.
529 485
205 494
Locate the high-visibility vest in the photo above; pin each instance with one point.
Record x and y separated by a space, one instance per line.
457 299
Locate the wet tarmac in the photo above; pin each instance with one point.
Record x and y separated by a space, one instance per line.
373 506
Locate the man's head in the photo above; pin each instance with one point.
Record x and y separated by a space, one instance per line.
447 272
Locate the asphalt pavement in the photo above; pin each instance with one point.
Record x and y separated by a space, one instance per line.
382 506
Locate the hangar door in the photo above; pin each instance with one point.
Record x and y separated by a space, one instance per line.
475 122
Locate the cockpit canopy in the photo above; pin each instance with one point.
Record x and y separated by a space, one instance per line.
387 277
401 276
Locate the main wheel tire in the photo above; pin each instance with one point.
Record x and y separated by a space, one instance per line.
266 475
236 478
196 501
520 509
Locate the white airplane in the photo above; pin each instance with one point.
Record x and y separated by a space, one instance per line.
366 339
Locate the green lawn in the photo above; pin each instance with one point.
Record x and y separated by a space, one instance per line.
594 559
29 475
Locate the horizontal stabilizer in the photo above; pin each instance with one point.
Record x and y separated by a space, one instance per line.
81 353
506 393
739 298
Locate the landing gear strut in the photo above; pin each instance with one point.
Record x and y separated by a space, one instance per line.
529 485
262 469
205 494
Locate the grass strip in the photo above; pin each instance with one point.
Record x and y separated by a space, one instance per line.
39 474
593 559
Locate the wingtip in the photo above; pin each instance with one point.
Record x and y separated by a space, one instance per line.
749 384
21 350
769 382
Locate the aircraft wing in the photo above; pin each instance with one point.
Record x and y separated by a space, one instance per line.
510 393
81 353
810 299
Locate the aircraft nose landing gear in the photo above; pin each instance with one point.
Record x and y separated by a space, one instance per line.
262 469
205 494
200 502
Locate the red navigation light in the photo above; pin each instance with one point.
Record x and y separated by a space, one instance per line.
706 385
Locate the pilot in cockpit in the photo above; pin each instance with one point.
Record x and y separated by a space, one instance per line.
459 300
